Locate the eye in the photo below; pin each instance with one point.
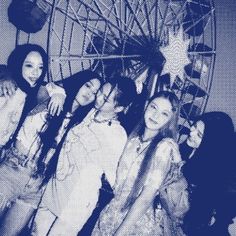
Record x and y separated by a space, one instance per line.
87 85
199 135
28 65
41 67
152 106
165 114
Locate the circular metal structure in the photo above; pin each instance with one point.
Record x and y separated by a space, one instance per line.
164 44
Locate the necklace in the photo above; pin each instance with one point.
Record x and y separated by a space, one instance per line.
142 142
109 120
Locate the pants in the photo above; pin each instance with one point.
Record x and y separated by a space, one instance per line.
19 197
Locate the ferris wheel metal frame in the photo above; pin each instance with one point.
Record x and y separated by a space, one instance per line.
129 37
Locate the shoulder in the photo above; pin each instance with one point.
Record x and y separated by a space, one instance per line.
168 147
118 132
168 143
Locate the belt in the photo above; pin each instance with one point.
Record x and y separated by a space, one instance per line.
15 159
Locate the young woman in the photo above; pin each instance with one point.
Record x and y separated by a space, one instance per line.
23 169
207 155
150 155
28 65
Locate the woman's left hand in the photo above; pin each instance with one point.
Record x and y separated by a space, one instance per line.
56 103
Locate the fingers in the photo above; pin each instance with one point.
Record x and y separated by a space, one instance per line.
51 108
11 89
55 105
54 108
5 91
7 88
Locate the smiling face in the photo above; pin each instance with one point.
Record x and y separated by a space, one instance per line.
87 92
32 68
196 134
158 113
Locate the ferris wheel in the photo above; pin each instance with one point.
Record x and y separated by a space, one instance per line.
162 44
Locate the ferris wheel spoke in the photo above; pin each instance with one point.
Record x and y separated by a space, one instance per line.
199 20
130 20
122 23
136 20
179 13
146 21
101 13
92 57
163 20
150 13
201 52
90 28
64 28
70 40
110 22
118 19
58 72
156 20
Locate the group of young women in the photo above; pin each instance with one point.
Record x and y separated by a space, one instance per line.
36 117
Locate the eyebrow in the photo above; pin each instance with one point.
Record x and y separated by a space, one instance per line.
167 111
200 132
32 62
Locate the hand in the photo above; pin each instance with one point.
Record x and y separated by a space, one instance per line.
7 88
55 105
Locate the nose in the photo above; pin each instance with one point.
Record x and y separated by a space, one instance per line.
155 114
192 131
36 72
90 93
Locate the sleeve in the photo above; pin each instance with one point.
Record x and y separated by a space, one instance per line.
166 153
32 125
3 101
52 89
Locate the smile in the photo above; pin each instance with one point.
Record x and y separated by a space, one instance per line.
153 121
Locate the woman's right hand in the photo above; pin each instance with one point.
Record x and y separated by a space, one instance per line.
7 88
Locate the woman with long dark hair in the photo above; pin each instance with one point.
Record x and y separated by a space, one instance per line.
27 64
147 160
207 155
24 169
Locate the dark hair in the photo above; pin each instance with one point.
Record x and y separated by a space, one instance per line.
15 62
126 90
14 65
211 156
71 85
169 130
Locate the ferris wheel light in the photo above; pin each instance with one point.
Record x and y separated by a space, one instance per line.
176 55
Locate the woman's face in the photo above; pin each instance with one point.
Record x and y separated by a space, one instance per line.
158 113
87 92
196 134
32 68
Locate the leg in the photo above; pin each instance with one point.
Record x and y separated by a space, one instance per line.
16 218
42 222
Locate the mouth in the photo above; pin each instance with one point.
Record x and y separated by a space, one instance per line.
85 97
153 121
33 78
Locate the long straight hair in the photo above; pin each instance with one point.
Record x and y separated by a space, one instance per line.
214 151
168 130
71 85
14 65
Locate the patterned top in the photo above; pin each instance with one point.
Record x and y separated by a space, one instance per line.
10 113
11 109
166 154
90 149
29 133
